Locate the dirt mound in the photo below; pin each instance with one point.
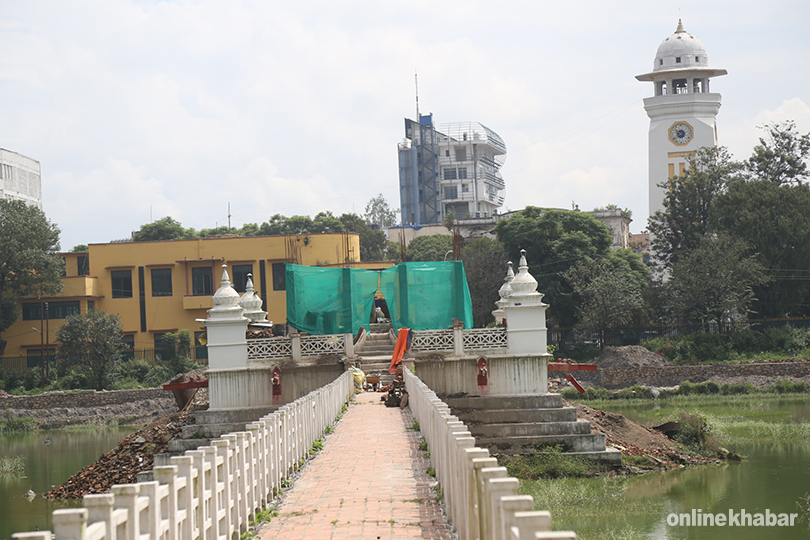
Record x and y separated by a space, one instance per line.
629 356
634 439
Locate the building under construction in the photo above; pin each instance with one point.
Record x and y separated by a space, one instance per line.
453 168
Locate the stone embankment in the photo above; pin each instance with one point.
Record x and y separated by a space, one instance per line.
622 367
57 409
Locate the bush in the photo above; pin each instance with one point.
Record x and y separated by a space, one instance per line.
661 345
737 388
695 431
75 379
134 369
784 386
748 341
709 347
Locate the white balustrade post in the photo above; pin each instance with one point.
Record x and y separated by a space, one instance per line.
458 338
185 495
167 475
483 474
126 498
473 504
348 345
497 488
201 492
153 524
459 480
69 523
225 524
529 522
32 535
511 504
214 503
295 344
237 483
257 436
100 508
246 471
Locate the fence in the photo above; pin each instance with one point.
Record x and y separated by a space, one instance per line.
480 500
460 341
298 347
211 492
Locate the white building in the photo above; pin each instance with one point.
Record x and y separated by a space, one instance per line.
20 178
682 112
455 168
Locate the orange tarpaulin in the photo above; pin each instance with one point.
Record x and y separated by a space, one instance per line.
400 349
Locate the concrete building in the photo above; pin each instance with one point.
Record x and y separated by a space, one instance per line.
20 178
682 112
453 168
159 287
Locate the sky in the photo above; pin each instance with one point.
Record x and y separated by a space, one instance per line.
139 110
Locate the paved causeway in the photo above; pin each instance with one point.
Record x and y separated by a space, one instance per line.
368 482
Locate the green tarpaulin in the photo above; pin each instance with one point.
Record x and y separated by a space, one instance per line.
420 295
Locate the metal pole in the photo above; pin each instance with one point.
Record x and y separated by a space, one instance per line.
41 339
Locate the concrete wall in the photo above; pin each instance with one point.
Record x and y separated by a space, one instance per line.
83 398
507 375
252 387
673 375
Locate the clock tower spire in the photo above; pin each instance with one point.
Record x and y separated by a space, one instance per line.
682 110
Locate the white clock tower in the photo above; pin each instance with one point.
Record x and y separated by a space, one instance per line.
682 112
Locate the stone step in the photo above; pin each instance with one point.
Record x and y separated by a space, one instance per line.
507 416
530 429
609 456
375 351
539 401
531 444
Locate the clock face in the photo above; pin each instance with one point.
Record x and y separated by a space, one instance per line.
680 133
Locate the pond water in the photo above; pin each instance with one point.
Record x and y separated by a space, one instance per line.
774 477
46 465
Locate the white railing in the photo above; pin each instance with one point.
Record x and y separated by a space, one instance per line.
212 492
459 340
481 501
432 340
298 347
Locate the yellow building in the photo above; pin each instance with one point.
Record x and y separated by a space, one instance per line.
159 287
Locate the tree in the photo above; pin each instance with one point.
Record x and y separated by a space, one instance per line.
29 264
372 241
688 204
432 247
554 240
218 231
80 248
163 229
379 213
91 341
485 265
326 222
781 156
773 219
714 281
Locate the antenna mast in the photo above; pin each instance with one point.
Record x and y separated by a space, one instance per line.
416 84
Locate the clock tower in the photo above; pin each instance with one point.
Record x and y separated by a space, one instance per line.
682 111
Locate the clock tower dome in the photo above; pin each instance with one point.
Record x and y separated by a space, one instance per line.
682 112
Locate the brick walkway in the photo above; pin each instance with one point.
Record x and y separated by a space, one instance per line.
368 482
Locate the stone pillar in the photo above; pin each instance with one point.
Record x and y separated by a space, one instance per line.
526 323
225 328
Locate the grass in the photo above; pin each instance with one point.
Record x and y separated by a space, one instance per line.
571 499
11 425
12 466
550 462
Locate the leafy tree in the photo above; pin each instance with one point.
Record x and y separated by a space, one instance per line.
713 282
379 213
609 290
218 231
773 219
163 229
93 342
80 248
485 265
249 229
429 248
554 240
781 156
372 241
176 346
686 217
326 222
29 264
626 212
275 225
